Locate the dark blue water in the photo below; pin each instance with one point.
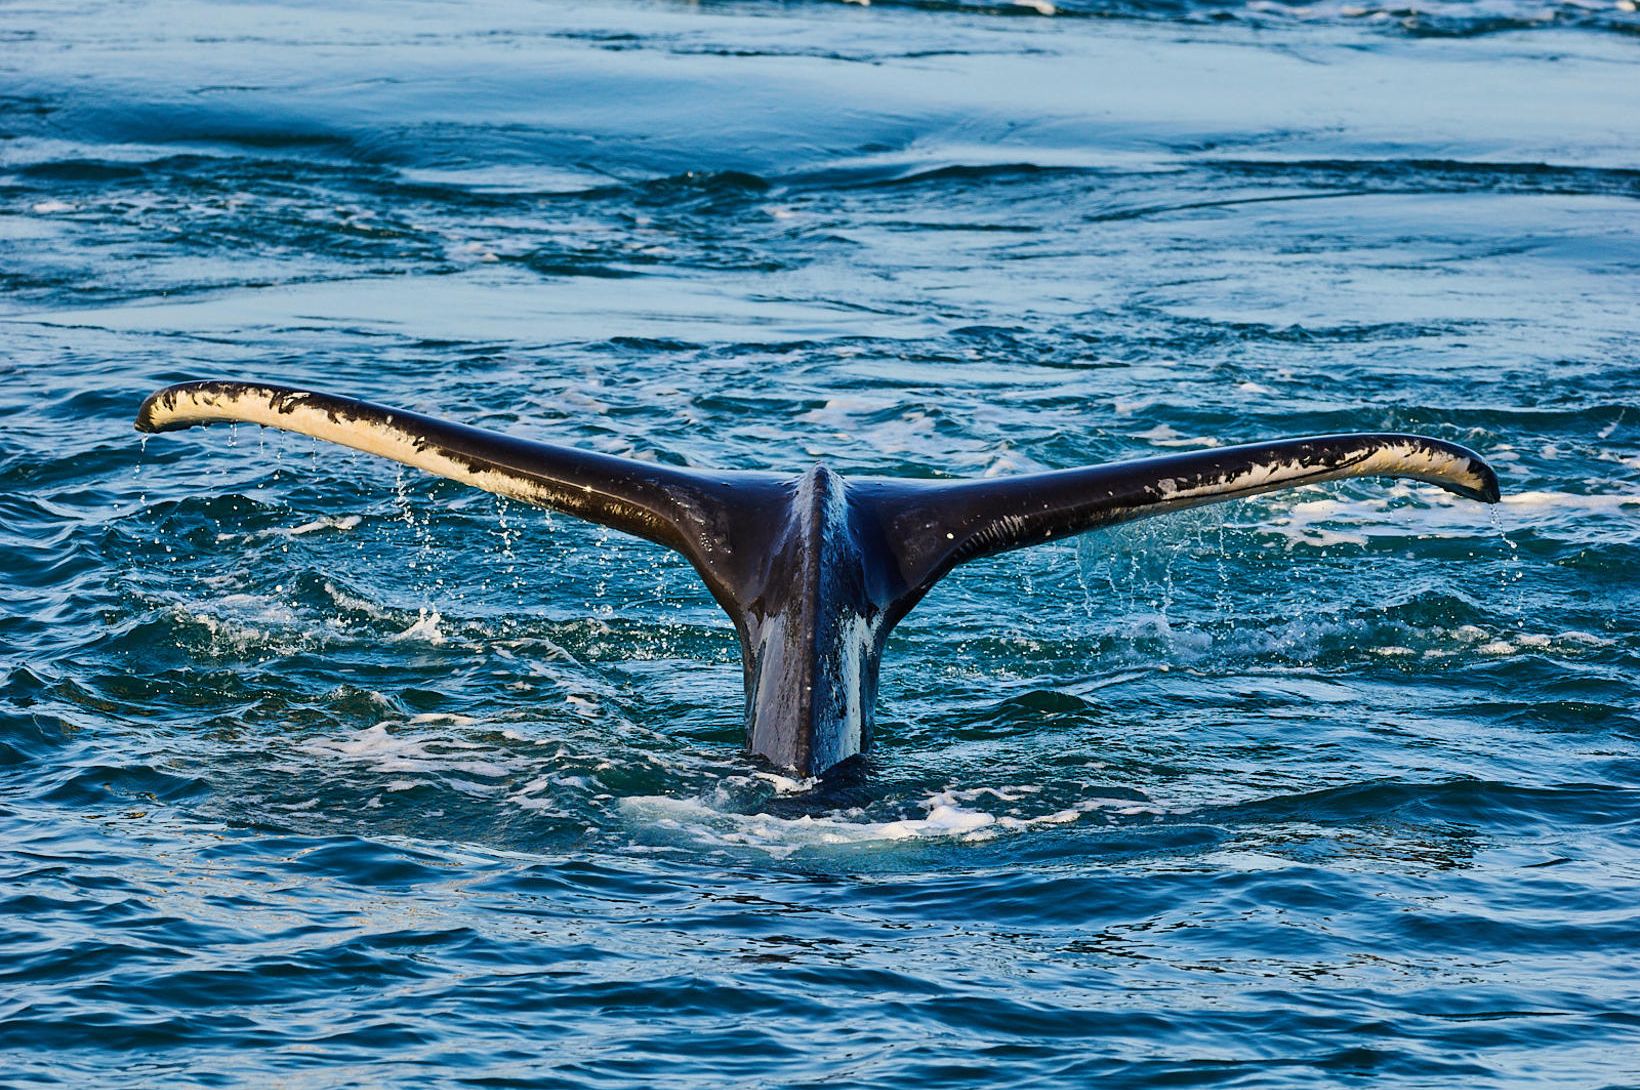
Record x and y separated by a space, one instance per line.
319 773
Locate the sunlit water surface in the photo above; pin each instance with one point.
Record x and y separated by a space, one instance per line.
315 772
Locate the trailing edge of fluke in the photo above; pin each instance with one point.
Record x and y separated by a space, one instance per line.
815 570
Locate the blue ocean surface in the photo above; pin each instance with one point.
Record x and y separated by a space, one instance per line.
319 772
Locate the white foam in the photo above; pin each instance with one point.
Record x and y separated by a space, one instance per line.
260 607
1328 520
1572 502
851 417
381 750
342 522
540 795
238 623
1484 642
426 628
353 602
1163 436
1301 524
1008 463
946 818
786 785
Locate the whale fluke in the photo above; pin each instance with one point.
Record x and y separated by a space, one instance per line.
816 570
934 527
638 497
678 508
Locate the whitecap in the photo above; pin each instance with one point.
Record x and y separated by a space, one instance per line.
341 522
426 628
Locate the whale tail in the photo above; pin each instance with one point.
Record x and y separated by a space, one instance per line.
816 570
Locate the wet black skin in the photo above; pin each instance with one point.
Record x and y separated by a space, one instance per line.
816 570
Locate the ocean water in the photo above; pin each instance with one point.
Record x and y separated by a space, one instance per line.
315 772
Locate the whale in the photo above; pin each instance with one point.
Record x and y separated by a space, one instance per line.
815 569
